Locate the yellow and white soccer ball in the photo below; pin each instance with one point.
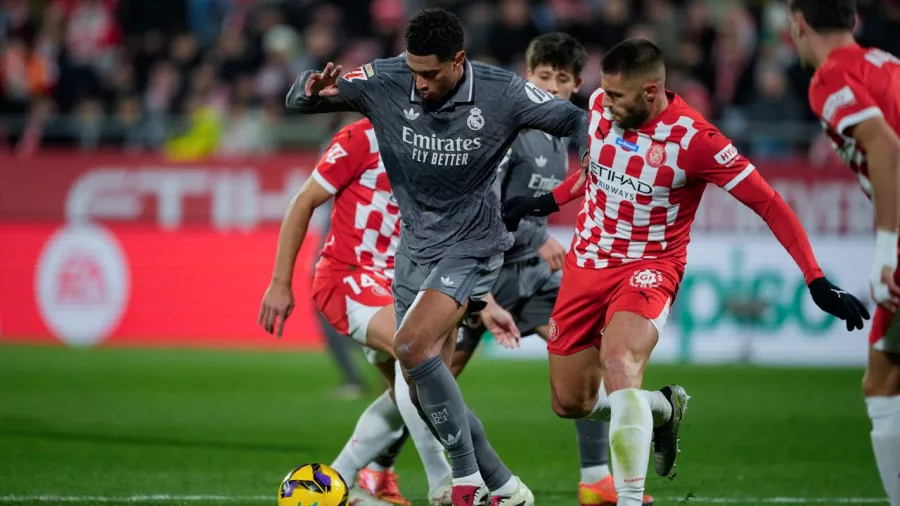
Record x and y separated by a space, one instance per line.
313 485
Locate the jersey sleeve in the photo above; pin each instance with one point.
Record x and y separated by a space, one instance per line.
841 99
343 160
297 99
713 158
358 86
532 107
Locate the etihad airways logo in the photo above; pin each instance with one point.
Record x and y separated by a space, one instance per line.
620 184
438 150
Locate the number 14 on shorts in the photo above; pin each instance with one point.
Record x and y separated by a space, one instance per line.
365 281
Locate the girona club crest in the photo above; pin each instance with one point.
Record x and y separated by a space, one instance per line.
656 156
552 330
646 278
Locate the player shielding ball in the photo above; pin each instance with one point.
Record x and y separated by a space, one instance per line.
528 283
443 124
856 93
651 157
351 288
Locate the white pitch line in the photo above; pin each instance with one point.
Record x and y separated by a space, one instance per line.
778 500
167 498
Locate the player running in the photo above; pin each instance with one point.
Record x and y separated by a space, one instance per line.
856 93
443 124
528 283
351 288
651 157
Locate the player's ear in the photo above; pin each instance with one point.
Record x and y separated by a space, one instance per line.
578 82
459 59
651 90
800 25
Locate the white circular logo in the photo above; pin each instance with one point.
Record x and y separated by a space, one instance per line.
476 120
81 284
647 278
537 95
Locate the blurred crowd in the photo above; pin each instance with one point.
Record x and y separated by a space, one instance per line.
200 77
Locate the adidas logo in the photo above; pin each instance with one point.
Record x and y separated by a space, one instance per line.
446 281
451 439
540 161
410 114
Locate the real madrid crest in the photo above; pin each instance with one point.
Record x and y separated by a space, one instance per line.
656 156
475 120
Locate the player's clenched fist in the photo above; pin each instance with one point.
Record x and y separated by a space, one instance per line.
839 303
324 84
277 305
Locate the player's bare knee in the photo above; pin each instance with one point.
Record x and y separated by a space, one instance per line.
882 378
567 403
622 369
881 383
410 348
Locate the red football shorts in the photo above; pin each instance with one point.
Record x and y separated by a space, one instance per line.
349 299
589 297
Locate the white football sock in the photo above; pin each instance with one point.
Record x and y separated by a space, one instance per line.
377 467
885 415
630 431
659 406
430 450
593 474
507 489
378 427
601 412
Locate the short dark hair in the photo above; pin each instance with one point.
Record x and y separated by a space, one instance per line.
633 56
827 15
436 32
559 50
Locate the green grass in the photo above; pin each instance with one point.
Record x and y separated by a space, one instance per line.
124 422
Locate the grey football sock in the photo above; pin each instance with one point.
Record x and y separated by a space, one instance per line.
493 470
442 402
593 442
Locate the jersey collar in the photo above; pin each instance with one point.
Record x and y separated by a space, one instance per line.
465 93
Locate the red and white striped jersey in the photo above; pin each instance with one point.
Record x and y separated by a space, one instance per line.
853 85
644 185
365 219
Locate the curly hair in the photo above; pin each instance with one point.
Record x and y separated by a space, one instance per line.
434 32
559 50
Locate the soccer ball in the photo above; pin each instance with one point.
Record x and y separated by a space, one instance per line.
313 485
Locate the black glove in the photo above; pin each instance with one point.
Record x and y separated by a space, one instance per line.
517 208
837 302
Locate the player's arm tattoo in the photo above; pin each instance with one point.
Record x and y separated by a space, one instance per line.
297 99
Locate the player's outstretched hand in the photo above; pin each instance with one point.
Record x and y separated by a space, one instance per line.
324 84
516 208
839 303
501 325
277 305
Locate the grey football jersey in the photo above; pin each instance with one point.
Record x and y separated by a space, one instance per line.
536 163
442 161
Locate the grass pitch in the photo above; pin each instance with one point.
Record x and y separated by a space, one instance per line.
136 426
